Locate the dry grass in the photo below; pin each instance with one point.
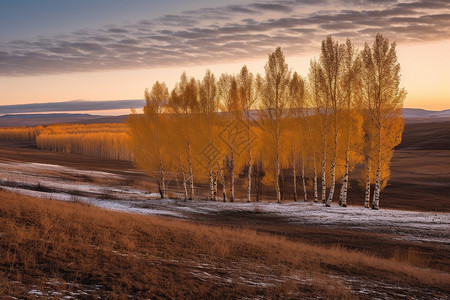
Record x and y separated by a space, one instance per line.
19 133
57 247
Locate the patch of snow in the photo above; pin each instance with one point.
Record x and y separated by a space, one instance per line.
35 292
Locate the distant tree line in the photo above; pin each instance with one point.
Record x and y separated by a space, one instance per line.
109 141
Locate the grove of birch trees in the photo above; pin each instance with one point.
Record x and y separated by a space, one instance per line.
278 128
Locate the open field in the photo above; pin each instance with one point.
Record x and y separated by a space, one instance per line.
326 252
401 238
123 193
117 255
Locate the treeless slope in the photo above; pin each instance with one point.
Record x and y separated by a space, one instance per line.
420 180
426 136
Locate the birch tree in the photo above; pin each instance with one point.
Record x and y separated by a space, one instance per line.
147 133
208 109
274 97
368 149
351 129
230 105
184 102
259 146
330 74
155 103
247 96
383 99
175 149
297 95
321 105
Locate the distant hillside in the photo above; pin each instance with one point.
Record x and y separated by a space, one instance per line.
104 119
44 119
76 105
412 115
417 115
55 118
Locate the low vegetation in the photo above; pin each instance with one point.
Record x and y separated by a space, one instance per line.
106 141
52 249
19 133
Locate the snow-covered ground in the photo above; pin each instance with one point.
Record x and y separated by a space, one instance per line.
109 191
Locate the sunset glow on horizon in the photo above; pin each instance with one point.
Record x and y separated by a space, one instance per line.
109 62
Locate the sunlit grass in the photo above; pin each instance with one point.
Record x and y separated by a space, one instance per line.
126 254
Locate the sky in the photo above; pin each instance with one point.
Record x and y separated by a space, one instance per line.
54 50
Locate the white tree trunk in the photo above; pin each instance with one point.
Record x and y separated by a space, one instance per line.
191 174
376 193
343 198
333 170
295 179
183 172
224 190
324 184
232 179
333 183
344 187
215 187
324 157
303 179
211 183
277 179
333 164
316 194
258 180
249 178
367 195
162 186
185 185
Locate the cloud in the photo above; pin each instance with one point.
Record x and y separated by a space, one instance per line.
226 34
271 7
118 30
